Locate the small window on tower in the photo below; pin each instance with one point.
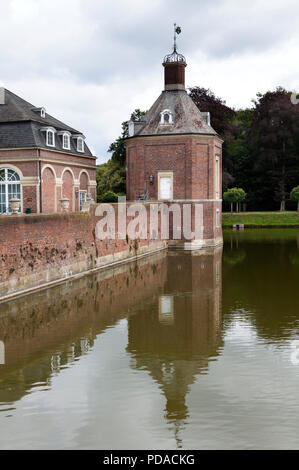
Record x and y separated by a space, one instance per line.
166 117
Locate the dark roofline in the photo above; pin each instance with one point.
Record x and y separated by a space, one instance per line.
44 120
176 133
82 155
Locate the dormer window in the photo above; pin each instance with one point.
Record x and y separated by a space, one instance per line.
40 111
80 142
66 139
50 140
166 117
50 135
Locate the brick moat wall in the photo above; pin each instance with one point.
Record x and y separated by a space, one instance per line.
37 249
40 248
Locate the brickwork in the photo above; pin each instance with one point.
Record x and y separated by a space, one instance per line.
67 187
67 243
29 162
190 158
48 191
30 198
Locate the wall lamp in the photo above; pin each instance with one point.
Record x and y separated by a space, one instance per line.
151 179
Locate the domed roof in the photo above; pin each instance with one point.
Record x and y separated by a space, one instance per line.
174 57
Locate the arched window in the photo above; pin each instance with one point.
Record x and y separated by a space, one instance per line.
10 186
50 138
166 117
50 135
79 138
66 141
80 144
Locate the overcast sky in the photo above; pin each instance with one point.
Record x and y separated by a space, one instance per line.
92 62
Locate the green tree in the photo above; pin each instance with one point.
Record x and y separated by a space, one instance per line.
117 148
234 195
109 196
274 144
221 120
111 176
295 196
238 150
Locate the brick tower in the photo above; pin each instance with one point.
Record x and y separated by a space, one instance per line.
174 154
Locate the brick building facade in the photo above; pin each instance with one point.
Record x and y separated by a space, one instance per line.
42 160
174 154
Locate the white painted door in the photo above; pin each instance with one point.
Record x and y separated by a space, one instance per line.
165 187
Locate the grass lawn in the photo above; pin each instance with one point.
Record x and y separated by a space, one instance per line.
261 219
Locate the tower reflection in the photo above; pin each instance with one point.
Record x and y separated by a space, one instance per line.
176 336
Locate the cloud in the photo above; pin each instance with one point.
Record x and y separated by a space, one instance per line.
91 63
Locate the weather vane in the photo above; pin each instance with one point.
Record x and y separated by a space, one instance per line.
177 30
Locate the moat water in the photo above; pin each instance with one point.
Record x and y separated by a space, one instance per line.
175 351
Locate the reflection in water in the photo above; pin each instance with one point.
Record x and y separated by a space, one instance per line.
44 333
261 276
2 352
176 350
175 337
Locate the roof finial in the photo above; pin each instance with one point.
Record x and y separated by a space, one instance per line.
177 30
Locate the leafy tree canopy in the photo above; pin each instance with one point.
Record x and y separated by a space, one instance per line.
111 176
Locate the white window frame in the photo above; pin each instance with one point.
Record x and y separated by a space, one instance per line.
49 132
6 183
165 174
80 139
68 146
162 120
217 224
82 191
217 177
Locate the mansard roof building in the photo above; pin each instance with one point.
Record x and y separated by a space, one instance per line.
42 160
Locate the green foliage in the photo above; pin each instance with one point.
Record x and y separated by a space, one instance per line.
117 148
274 145
234 195
111 176
222 117
234 257
261 219
295 194
109 196
261 145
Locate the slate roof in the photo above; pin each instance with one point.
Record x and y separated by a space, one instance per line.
187 119
20 126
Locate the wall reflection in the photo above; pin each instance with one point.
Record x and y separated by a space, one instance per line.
45 332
